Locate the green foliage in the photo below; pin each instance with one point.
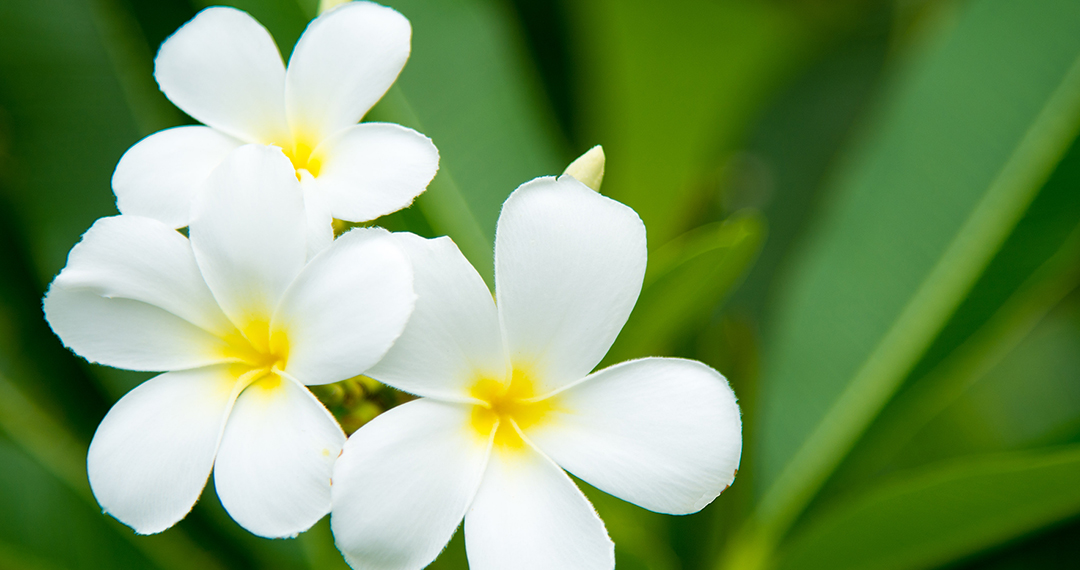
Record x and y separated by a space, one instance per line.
871 201
966 141
692 272
938 514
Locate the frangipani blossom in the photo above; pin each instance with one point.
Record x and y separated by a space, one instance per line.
223 69
508 401
240 323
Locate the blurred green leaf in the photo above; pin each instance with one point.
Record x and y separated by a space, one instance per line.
1030 397
318 545
965 142
50 523
1008 388
63 457
667 87
15 559
942 513
1050 550
685 280
639 535
1035 270
76 90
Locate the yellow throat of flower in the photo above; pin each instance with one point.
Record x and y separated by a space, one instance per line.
506 406
260 354
301 153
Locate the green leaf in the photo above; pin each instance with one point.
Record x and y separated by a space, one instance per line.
960 150
76 86
669 88
16 559
685 280
1029 397
1056 548
62 456
942 513
1035 269
50 524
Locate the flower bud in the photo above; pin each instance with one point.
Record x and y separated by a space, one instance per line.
588 168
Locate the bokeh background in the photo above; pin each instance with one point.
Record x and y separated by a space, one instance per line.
866 213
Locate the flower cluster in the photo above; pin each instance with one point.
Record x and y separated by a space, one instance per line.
258 301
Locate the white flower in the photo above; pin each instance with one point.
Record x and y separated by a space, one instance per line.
241 324
507 399
223 69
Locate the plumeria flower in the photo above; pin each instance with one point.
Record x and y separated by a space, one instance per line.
240 323
223 69
508 401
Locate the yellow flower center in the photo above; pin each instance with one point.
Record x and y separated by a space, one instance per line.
300 152
504 406
260 354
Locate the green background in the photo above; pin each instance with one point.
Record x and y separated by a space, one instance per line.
865 213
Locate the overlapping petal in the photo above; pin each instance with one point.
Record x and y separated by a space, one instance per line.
344 62
529 515
320 220
403 484
662 433
373 169
153 452
131 257
453 335
157 177
249 232
128 334
568 269
346 308
274 464
224 69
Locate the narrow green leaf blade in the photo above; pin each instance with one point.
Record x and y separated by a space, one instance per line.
1037 267
942 513
961 149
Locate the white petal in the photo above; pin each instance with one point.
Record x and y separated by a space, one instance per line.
128 334
373 169
320 223
663 433
274 464
131 257
158 177
224 69
249 232
568 269
453 336
528 515
344 62
153 452
346 308
403 483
